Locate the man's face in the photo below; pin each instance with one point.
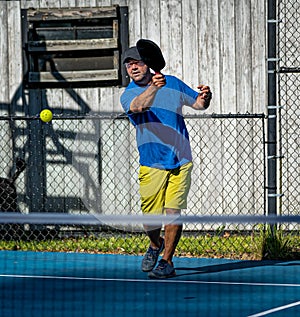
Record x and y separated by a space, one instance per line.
138 71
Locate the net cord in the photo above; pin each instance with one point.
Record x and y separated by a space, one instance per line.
100 219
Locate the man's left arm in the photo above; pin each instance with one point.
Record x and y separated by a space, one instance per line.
203 99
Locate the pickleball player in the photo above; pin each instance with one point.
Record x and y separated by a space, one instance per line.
153 103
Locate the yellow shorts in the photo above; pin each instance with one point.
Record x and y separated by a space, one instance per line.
161 189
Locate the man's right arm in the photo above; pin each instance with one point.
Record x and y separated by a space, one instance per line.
144 101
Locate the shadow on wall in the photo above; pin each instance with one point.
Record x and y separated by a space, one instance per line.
27 142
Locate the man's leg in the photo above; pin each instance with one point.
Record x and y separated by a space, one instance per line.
179 183
156 246
152 189
153 232
165 268
172 236
177 189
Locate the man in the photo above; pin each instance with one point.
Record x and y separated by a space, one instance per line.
153 103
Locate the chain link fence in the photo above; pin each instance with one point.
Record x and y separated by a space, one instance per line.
89 164
288 52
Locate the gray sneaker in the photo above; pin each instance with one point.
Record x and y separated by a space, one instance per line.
151 257
163 270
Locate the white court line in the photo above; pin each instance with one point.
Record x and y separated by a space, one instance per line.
76 278
270 311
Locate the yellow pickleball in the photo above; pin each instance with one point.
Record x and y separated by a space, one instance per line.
46 115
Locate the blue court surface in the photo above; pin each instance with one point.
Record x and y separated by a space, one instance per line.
75 284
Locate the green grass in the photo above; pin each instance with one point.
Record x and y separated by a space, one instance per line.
264 245
276 244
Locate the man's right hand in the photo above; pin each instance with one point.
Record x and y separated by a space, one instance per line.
158 80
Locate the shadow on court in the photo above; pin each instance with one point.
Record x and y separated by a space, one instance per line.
229 266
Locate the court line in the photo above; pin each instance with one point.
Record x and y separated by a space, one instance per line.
273 310
97 279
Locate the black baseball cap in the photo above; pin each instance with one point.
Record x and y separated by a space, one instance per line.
131 53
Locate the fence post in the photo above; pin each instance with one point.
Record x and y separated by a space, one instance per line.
272 109
36 182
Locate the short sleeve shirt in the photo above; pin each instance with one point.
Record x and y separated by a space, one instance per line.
161 134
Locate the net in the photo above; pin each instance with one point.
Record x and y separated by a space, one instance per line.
90 265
